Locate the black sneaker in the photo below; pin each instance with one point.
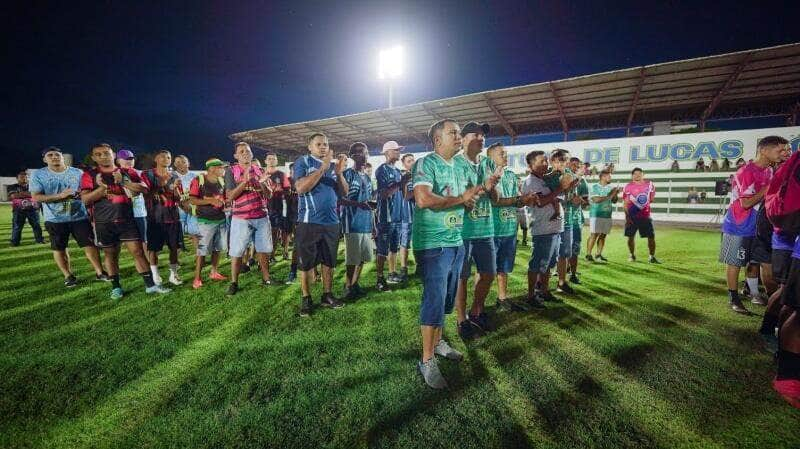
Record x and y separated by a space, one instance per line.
547 296
738 307
565 288
252 263
393 278
70 281
244 268
482 321
232 289
574 279
328 300
536 301
466 330
653 259
305 306
102 277
589 258
510 306
358 290
602 258
381 285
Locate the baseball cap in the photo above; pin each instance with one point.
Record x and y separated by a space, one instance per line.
125 154
49 149
391 145
215 163
475 127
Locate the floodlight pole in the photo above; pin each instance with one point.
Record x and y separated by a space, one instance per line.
391 94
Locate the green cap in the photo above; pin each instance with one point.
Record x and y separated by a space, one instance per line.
214 163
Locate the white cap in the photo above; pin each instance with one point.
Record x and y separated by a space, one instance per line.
391 145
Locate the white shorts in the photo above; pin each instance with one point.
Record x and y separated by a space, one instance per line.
357 248
598 225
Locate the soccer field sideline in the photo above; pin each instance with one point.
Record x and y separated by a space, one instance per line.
642 356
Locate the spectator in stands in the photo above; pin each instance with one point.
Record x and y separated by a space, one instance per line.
593 172
726 164
586 169
675 166
714 165
702 196
692 197
700 165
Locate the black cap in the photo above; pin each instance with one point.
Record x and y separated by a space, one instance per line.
49 149
475 127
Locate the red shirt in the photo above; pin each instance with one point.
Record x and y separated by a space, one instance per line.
116 206
251 204
214 189
163 196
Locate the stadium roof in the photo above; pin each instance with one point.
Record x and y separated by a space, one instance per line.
752 83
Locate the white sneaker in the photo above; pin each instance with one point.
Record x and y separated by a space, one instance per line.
175 279
443 349
157 279
430 372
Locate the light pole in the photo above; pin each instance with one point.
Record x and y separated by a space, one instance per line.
390 68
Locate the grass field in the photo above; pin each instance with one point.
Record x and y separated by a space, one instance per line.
642 356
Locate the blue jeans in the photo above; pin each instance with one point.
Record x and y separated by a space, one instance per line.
388 239
482 251
576 240
506 252
565 246
18 218
243 231
544 254
440 269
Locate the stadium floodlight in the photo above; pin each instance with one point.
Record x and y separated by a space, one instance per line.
390 67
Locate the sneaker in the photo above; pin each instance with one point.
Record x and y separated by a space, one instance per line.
510 306
549 297
402 278
158 288
233 288
70 281
328 300
482 321
157 279
272 259
266 282
574 279
350 293
466 330
102 277
305 306
589 258
244 268
252 263
358 290
117 293
197 283
430 372
291 278
738 307
759 300
601 257
392 279
631 258
770 343
536 301
381 285
653 259
565 288
217 276
175 279
443 349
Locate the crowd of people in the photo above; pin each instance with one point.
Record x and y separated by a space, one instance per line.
455 207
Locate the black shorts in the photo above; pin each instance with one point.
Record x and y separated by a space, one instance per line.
80 230
781 262
791 290
761 251
316 244
110 234
643 225
160 234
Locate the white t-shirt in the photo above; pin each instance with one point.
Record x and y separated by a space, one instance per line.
539 217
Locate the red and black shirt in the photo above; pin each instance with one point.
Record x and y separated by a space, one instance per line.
116 206
208 213
163 197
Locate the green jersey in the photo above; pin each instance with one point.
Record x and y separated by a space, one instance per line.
505 217
438 228
602 209
478 221
583 192
572 213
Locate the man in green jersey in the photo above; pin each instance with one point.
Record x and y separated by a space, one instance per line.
575 207
441 194
602 195
561 175
478 231
504 216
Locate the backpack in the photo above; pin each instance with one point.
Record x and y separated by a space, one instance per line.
782 200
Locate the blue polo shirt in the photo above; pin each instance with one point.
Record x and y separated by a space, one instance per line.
355 219
390 209
48 182
318 205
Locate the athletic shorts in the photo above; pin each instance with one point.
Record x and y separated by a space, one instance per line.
735 250
781 262
544 253
111 234
213 238
358 248
405 235
243 231
482 252
643 225
316 244
505 253
388 239
80 230
277 221
599 225
161 234
760 251
791 290
141 223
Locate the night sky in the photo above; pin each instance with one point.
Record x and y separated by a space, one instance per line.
185 76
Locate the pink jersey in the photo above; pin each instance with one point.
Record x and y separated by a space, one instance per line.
747 182
638 196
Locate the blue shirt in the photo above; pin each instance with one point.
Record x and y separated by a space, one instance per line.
796 251
407 214
782 241
48 182
354 218
389 208
318 205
